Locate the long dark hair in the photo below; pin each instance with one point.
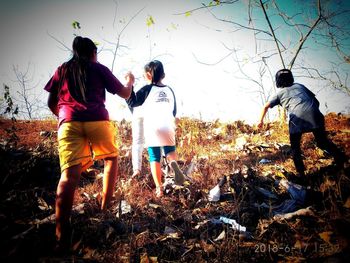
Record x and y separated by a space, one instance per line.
156 69
284 78
74 71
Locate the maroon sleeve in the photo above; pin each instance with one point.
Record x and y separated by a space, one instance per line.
112 84
52 84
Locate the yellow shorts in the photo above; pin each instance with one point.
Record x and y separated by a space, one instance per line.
82 142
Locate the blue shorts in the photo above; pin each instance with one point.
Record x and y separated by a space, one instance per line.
155 152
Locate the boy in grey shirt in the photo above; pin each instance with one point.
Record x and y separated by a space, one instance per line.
304 116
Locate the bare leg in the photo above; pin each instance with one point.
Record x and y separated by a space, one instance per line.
137 145
64 199
172 156
109 181
157 177
136 173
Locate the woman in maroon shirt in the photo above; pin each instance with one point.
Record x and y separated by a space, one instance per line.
77 97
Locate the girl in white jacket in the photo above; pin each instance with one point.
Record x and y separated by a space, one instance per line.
158 110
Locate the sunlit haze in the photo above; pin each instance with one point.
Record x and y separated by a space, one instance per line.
186 44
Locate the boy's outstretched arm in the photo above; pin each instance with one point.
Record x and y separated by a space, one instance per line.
263 113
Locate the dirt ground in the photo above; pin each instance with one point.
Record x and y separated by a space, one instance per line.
272 222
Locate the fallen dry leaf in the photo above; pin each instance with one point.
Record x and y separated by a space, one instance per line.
326 236
347 203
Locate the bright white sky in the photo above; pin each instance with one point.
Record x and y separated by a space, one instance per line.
202 91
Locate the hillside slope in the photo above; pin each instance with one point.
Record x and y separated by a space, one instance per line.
276 219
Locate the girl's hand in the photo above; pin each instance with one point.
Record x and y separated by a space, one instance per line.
130 79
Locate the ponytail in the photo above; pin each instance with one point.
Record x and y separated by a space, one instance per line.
74 71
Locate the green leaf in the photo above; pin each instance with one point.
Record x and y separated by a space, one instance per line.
149 21
188 13
174 26
76 25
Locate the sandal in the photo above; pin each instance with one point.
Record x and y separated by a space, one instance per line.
179 176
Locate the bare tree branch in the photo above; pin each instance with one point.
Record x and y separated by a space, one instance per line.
204 6
213 63
273 33
303 39
327 25
66 48
27 98
119 34
115 12
256 30
339 85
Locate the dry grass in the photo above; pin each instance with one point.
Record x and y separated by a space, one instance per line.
178 227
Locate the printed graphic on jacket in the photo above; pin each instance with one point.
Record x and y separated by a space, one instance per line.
159 110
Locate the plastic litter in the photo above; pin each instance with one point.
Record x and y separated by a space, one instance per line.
169 230
241 141
222 181
287 206
233 223
265 161
296 191
266 193
125 207
214 194
221 236
190 168
262 205
297 194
